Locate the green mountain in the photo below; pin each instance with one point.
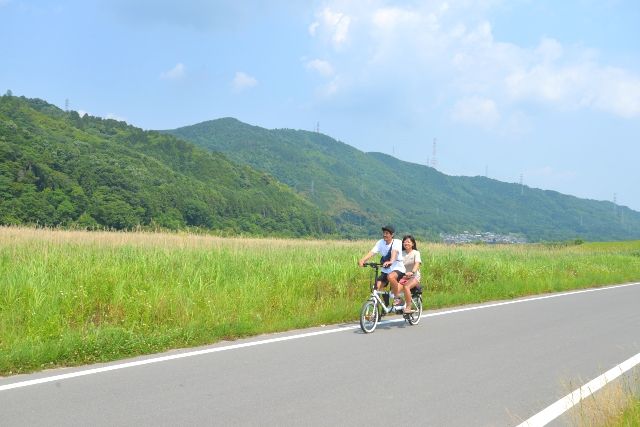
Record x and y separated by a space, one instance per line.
57 168
363 190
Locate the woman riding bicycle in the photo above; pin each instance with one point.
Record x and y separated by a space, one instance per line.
412 261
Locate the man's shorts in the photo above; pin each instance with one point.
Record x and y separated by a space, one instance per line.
385 280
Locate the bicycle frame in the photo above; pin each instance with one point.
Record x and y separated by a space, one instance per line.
375 294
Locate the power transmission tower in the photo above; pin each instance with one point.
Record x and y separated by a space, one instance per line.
434 162
317 127
66 105
521 186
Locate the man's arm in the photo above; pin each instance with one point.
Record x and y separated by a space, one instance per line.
394 257
365 258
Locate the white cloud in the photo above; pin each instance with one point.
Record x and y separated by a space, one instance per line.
389 19
477 111
549 50
313 28
242 81
175 73
324 68
334 24
575 86
113 116
330 89
619 93
446 52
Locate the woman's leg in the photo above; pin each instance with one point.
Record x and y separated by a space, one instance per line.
411 283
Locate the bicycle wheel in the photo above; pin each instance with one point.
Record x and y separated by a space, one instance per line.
369 316
414 318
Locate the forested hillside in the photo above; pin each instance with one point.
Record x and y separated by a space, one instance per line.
362 190
60 169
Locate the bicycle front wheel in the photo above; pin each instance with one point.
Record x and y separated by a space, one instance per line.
369 316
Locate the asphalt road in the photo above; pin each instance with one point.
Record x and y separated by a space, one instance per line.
493 365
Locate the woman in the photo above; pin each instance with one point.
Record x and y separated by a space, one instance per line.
412 261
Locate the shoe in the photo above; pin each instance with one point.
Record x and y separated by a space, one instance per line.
397 302
407 310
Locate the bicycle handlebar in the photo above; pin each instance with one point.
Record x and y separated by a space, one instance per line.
372 264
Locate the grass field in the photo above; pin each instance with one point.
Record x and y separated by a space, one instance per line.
72 297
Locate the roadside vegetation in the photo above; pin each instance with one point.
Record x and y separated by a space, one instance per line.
630 417
76 297
615 405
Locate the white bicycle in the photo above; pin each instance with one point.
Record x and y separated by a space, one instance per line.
379 305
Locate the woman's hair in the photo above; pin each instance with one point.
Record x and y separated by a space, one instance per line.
413 241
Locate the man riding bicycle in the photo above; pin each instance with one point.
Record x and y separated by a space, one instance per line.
392 266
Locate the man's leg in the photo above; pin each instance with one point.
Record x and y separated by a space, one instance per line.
393 279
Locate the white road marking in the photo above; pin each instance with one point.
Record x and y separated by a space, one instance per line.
280 339
553 411
497 304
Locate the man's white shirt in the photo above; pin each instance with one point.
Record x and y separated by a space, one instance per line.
382 248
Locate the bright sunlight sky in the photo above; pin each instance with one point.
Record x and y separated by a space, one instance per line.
544 89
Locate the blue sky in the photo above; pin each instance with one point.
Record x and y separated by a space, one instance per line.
544 90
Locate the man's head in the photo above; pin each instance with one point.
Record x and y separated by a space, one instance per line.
387 233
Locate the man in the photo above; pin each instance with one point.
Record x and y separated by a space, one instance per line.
392 266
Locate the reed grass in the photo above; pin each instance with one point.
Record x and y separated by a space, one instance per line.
630 416
617 404
74 297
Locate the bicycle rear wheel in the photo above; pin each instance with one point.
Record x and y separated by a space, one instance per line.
414 317
369 316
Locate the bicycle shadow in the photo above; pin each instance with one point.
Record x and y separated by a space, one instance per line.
388 324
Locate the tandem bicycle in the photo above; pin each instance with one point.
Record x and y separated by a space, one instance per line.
379 304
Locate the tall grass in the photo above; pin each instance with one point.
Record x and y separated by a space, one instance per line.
72 297
615 405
